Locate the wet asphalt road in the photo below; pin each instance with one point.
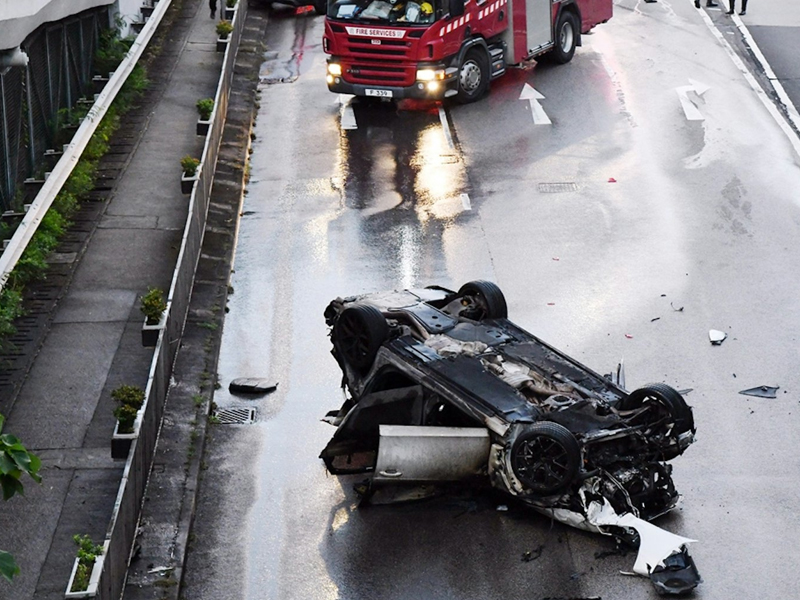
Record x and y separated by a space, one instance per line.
697 231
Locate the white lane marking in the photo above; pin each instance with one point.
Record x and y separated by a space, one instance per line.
446 128
793 138
794 115
465 202
348 117
537 112
689 109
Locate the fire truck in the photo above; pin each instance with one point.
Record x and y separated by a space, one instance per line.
434 49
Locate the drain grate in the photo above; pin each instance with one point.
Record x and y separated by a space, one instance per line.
236 416
558 188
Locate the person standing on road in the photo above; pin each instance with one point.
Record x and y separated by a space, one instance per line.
709 4
733 8
212 4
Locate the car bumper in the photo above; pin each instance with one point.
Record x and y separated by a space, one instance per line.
419 90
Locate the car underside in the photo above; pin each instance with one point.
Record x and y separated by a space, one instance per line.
441 386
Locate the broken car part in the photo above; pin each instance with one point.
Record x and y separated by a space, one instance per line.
762 391
252 385
441 386
716 337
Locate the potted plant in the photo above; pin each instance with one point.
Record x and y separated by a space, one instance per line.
230 9
129 399
189 165
153 307
86 570
224 29
204 107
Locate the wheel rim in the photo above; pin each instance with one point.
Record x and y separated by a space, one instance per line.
566 36
353 338
542 463
470 76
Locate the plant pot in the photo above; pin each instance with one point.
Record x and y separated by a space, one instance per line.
121 442
150 333
187 182
222 44
229 13
94 579
203 126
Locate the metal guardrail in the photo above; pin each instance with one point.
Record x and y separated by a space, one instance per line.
72 152
121 532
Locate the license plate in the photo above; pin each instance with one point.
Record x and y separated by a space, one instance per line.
379 93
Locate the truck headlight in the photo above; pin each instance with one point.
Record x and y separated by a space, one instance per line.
334 69
430 74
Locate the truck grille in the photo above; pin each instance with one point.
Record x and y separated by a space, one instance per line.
388 63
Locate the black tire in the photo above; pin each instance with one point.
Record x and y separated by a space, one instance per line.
321 6
567 32
358 334
489 296
667 398
546 458
473 76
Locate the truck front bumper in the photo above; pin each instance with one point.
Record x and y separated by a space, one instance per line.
420 90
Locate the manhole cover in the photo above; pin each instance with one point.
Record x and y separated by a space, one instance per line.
236 416
558 188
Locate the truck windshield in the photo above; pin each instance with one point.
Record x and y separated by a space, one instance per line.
412 12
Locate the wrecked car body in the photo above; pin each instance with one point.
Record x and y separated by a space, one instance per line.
441 386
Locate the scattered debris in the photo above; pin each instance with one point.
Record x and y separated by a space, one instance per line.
551 304
629 336
252 385
676 309
620 550
716 336
556 258
502 508
762 391
685 391
653 320
663 295
612 180
161 570
528 556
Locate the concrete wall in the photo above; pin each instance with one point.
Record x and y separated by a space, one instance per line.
19 18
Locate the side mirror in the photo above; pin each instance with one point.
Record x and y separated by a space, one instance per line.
456 8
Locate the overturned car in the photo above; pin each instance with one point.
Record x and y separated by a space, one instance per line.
441 386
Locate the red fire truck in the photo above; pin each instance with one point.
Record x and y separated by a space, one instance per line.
446 48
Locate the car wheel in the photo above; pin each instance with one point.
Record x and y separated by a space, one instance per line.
488 296
473 76
666 406
358 334
321 6
546 458
566 38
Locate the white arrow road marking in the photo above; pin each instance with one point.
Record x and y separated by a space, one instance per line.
689 108
446 128
532 96
347 115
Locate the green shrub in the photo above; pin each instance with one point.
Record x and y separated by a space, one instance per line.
153 305
230 3
224 29
189 165
130 399
87 554
205 107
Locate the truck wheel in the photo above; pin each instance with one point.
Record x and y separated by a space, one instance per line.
546 458
566 38
321 6
358 334
473 76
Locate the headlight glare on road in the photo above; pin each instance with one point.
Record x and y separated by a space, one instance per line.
334 68
429 74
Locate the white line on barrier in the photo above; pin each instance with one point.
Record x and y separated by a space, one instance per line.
72 152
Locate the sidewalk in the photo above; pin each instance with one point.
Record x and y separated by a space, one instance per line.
63 410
